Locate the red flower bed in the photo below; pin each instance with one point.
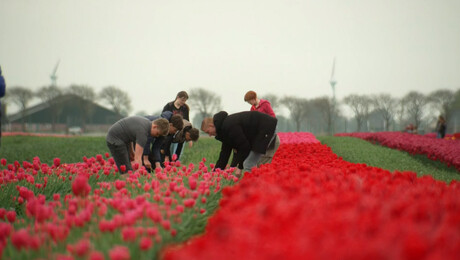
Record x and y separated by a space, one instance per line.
310 204
444 150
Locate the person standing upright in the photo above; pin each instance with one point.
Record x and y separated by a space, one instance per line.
179 106
441 127
2 94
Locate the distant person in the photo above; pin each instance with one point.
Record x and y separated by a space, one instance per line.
129 132
257 104
187 134
2 94
441 127
411 129
179 106
249 134
152 157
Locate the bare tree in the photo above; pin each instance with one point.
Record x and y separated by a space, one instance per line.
415 104
442 101
206 102
50 95
87 98
325 107
21 97
385 104
360 104
118 99
297 109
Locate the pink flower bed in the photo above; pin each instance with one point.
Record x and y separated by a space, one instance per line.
447 151
297 137
310 204
119 216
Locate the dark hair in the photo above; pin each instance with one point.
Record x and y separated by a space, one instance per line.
250 95
177 121
194 134
182 94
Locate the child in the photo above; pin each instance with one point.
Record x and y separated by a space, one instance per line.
260 105
132 130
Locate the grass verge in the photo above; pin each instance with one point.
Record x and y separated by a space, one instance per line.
360 151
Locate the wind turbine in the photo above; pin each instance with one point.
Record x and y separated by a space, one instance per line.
53 76
333 82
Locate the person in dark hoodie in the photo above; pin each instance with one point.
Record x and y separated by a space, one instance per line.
249 134
2 94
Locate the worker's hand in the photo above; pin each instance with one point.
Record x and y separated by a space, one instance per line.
237 172
190 144
147 164
158 166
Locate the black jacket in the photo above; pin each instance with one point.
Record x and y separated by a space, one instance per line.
245 131
183 110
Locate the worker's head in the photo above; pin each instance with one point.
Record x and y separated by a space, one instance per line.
159 127
208 126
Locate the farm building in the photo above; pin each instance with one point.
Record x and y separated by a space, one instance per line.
61 114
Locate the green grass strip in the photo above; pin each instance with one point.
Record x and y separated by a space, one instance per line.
360 151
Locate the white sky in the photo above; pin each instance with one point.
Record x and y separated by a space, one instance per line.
153 49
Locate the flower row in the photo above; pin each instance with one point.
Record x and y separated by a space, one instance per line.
447 151
310 204
65 211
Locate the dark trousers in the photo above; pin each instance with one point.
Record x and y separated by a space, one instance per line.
120 154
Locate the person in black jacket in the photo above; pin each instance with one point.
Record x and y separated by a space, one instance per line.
179 107
249 134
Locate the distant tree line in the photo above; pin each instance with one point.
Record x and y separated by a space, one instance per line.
321 115
381 112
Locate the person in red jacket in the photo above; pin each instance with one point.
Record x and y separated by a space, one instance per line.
257 104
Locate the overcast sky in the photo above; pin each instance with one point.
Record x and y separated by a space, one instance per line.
153 49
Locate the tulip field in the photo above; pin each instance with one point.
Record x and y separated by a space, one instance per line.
444 150
309 203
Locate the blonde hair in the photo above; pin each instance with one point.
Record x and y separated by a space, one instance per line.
206 122
163 126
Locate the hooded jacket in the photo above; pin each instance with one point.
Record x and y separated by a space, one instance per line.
264 107
245 131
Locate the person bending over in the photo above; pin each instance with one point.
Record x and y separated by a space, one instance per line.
249 134
129 132
152 157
